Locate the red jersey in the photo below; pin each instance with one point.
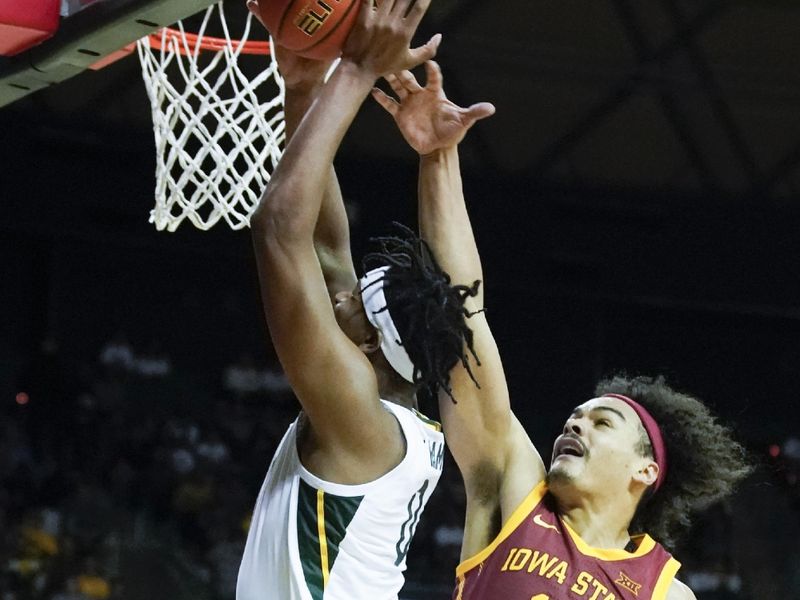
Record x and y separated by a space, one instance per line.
537 556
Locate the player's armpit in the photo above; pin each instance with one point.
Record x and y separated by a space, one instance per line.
494 493
524 469
483 519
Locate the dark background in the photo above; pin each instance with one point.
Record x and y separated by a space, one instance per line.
635 200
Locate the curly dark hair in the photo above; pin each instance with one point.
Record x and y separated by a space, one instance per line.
427 309
704 461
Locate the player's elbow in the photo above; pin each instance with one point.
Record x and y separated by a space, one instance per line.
280 215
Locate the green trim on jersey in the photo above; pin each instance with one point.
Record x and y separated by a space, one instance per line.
322 521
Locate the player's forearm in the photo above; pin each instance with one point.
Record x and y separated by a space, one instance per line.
291 205
296 103
332 232
332 239
443 218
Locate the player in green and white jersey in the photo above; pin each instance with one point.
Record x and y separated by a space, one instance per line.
346 488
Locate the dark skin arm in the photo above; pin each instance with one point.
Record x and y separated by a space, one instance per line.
303 79
328 371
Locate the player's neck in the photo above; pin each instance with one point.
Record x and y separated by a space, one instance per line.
402 393
392 387
600 522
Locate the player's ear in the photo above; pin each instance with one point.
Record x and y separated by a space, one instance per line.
647 473
371 343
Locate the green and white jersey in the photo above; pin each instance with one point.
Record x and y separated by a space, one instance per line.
311 539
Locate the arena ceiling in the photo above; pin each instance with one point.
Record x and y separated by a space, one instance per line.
695 96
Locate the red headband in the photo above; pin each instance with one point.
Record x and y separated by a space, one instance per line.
653 432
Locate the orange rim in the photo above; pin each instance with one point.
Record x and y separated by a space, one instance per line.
208 43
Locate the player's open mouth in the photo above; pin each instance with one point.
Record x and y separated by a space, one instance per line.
568 445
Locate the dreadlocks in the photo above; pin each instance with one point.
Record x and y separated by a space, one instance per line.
429 312
705 462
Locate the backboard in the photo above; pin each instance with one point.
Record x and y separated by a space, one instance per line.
84 37
217 120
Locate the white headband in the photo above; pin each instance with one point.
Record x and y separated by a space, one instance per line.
374 301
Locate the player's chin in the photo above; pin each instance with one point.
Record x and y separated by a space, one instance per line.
559 475
566 463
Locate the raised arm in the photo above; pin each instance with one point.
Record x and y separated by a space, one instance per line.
328 371
494 454
303 79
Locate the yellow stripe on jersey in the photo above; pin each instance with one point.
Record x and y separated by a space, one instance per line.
435 425
323 541
460 591
665 579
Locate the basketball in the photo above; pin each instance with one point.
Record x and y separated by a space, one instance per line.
312 28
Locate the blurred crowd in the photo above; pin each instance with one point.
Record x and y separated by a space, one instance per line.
123 479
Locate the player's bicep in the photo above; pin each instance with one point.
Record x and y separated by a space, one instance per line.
330 376
333 228
337 268
485 435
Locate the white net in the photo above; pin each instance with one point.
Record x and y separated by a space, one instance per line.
218 124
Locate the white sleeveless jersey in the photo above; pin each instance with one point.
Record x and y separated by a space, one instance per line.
311 539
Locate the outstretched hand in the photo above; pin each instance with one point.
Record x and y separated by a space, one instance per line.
379 41
424 115
299 73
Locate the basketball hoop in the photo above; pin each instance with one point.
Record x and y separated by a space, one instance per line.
218 122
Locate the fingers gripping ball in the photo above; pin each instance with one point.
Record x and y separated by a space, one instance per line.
311 28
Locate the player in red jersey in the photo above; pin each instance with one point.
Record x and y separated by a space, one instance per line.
638 457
